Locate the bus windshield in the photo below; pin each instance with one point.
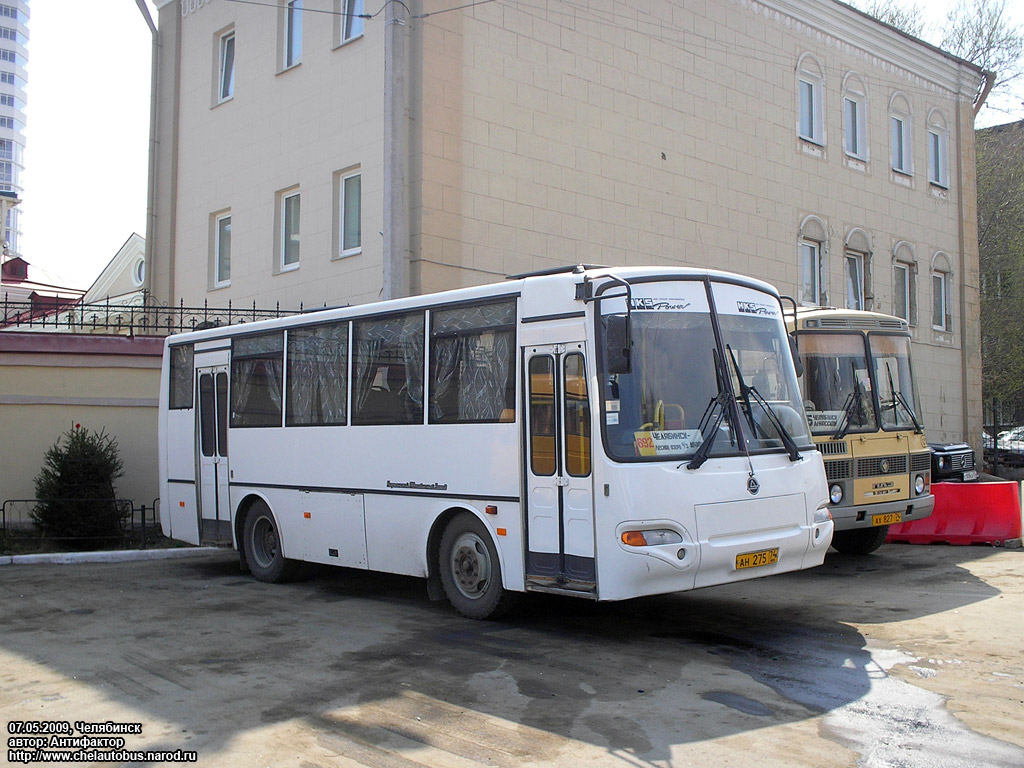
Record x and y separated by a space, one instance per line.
897 397
837 383
675 397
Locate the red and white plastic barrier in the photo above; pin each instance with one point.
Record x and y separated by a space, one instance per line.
967 513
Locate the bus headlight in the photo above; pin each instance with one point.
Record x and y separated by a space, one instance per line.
919 485
651 538
835 493
822 516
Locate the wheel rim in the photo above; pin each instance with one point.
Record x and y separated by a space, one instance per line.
471 565
264 542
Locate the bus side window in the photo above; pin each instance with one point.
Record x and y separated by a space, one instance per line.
542 415
577 416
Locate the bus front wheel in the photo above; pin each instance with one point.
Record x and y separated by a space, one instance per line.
860 541
469 570
262 542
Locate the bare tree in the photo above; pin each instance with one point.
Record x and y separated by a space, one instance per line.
980 32
906 17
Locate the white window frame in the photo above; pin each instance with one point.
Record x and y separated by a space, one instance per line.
901 131
218 280
351 23
810 100
286 198
898 267
225 78
854 280
342 215
855 117
810 271
291 51
940 299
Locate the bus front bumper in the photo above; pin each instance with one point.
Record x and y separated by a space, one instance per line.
855 516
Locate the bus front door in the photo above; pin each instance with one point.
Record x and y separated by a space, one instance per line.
560 494
212 456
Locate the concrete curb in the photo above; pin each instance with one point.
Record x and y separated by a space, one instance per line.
125 556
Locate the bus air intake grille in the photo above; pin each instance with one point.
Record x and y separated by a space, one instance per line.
922 462
833 448
841 469
882 465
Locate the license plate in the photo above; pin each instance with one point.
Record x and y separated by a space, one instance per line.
971 474
755 559
886 519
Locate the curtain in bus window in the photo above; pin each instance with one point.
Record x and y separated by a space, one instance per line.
317 374
181 373
388 365
257 366
472 376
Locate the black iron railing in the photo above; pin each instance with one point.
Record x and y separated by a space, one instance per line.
138 527
137 315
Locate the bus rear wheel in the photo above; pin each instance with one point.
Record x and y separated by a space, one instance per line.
262 543
861 541
469 570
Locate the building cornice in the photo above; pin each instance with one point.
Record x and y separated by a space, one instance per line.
879 45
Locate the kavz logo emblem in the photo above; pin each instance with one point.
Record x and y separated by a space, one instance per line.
753 486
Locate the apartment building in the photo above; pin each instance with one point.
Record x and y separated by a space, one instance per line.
14 16
336 151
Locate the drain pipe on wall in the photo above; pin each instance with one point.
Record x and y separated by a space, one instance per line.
147 282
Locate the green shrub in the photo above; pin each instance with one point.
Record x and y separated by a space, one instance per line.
75 489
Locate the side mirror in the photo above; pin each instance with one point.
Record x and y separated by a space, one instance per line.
798 363
617 344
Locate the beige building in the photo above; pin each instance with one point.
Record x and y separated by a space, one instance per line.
311 153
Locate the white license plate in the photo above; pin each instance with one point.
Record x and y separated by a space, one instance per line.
971 474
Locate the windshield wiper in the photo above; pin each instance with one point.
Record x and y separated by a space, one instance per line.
773 418
897 397
852 399
716 405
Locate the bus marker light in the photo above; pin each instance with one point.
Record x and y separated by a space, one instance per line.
307 515
181 503
490 509
501 531
634 538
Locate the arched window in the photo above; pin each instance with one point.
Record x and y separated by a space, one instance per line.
942 301
813 248
855 116
938 149
901 131
810 83
904 282
857 270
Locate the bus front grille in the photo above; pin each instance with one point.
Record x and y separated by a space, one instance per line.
841 469
882 465
921 462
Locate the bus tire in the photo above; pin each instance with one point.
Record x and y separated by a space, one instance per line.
470 571
262 544
860 541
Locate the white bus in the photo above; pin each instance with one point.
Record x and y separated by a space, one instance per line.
605 433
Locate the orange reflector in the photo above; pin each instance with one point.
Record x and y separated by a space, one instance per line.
634 538
181 503
490 509
501 531
306 515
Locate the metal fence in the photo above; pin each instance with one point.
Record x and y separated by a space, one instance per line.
138 528
138 315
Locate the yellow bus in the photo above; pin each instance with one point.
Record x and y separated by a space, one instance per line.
863 409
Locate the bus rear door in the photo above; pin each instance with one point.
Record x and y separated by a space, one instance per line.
212 456
560 495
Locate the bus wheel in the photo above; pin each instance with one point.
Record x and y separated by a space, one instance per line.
860 541
263 546
469 569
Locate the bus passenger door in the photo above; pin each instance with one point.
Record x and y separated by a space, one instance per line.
560 497
212 456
